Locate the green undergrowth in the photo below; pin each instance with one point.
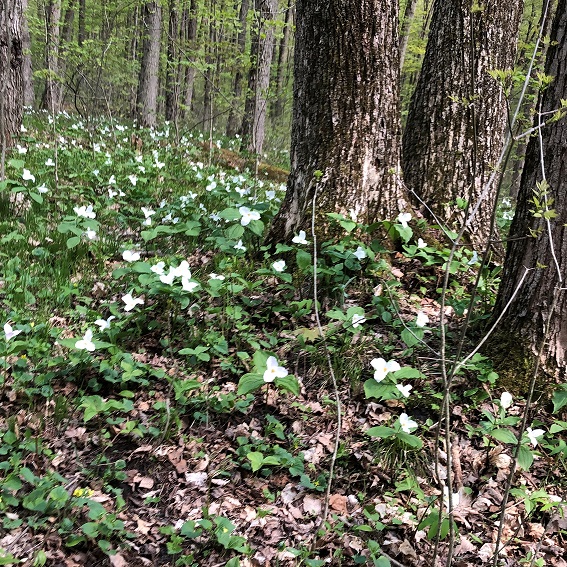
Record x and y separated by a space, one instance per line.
142 311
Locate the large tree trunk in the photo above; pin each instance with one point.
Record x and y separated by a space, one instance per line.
148 84
189 25
261 53
11 62
458 114
346 121
27 71
534 245
52 93
172 79
234 118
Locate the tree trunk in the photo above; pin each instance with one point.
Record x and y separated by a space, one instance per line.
171 82
190 31
458 113
66 38
209 77
405 30
261 53
11 63
534 245
282 61
346 121
27 70
82 17
148 84
234 118
52 93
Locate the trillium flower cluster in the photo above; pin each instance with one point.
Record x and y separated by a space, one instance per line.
383 368
182 271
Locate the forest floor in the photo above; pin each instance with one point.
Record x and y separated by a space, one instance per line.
144 324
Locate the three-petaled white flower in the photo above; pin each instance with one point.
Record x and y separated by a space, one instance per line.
42 188
168 278
27 176
506 400
406 423
50 163
300 238
148 214
188 285
86 343
85 211
403 219
421 243
360 253
357 320
422 319
130 256
248 215
10 332
273 370
104 323
533 434
405 390
279 266
182 271
158 268
90 233
240 246
214 276
133 179
131 302
382 368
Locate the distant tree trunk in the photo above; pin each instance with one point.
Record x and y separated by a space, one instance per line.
11 83
66 38
261 53
209 77
278 106
190 30
405 30
148 84
52 93
27 70
82 17
172 82
346 121
458 113
234 118
532 245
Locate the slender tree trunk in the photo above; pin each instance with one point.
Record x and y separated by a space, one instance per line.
27 70
535 244
346 120
66 38
209 76
190 30
261 53
52 93
234 118
82 17
11 82
172 84
405 30
458 113
148 85
283 53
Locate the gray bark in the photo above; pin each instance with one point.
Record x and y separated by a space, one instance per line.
52 94
27 71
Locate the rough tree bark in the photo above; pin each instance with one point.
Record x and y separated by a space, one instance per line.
11 62
148 83
261 53
458 114
27 70
189 24
532 245
172 75
346 120
52 93
405 29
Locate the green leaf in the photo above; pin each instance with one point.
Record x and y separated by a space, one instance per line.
257 227
90 529
504 435
256 460
36 197
73 241
381 431
409 338
234 232
380 390
409 439
288 383
230 214
525 458
304 260
149 234
260 358
248 383
559 399
407 372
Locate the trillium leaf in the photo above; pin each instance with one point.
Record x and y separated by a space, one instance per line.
260 359
248 383
257 227
381 431
36 197
304 260
256 460
559 399
380 390
289 384
504 435
410 440
73 241
234 232
407 372
525 458
409 338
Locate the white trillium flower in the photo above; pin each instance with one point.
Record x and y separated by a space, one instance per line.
188 285
147 212
42 188
240 246
270 195
133 179
104 323
506 400
90 233
357 320
131 302
405 390
300 238
533 434
112 180
279 266
158 268
86 212
248 215
214 276
360 253
50 163
421 243
130 256
168 278
27 176
382 368
422 319
406 423
274 370
21 149
86 343
182 271
403 219
455 498
10 332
